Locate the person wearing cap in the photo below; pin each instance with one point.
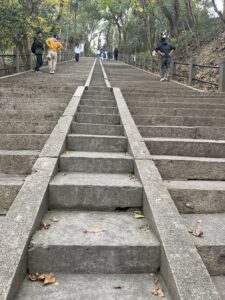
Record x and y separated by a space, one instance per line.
165 50
54 46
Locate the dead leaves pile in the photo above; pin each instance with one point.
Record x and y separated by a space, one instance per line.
45 226
47 278
137 214
196 232
157 291
94 230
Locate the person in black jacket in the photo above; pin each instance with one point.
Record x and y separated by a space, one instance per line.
165 50
116 53
39 49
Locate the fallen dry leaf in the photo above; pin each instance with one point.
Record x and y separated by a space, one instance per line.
158 292
145 228
93 230
44 226
138 215
196 232
47 278
54 220
118 287
155 280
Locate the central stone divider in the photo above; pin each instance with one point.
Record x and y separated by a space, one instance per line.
182 268
31 204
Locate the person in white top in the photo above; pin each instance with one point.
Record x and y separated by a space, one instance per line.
77 51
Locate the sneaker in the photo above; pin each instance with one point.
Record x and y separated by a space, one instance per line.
168 77
162 79
52 72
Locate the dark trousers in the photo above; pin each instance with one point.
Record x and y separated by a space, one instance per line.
77 56
39 62
165 66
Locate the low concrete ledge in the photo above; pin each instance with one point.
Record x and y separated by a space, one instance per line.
182 268
88 81
21 221
105 76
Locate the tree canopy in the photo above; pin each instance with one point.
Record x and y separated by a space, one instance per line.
131 25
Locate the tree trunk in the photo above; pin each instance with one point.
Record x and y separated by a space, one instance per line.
220 14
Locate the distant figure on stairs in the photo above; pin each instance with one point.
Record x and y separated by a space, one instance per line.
54 46
77 51
116 53
165 50
38 49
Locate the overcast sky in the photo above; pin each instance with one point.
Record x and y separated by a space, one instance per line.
219 4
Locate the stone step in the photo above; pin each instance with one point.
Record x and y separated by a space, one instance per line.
99 103
17 161
99 162
178 99
97 118
9 188
219 282
97 129
178 121
197 132
192 112
190 168
98 96
41 106
193 105
15 115
24 127
96 143
98 110
195 196
22 141
211 245
186 147
122 246
94 191
97 286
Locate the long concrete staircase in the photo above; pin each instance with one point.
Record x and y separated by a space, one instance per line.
96 248
31 105
184 131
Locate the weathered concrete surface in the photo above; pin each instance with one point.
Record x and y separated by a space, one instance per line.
96 129
96 143
99 287
94 191
100 162
66 247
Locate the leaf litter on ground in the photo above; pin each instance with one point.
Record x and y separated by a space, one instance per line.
54 220
137 214
44 226
196 232
47 278
94 230
158 292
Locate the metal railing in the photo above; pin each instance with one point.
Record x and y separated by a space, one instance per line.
187 71
15 63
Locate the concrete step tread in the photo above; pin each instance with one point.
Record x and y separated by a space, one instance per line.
9 179
105 155
187 140
97 136
118 230
96 179
94 107
19 152
205 185
89 287
212 225
219 282
187 158
94 114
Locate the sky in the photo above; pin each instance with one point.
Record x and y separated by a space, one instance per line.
219 4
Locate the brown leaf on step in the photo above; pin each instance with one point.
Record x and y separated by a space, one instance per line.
118 287
93 230
138 215
47 278
158 292
196 232
156 280
44 226
54 220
